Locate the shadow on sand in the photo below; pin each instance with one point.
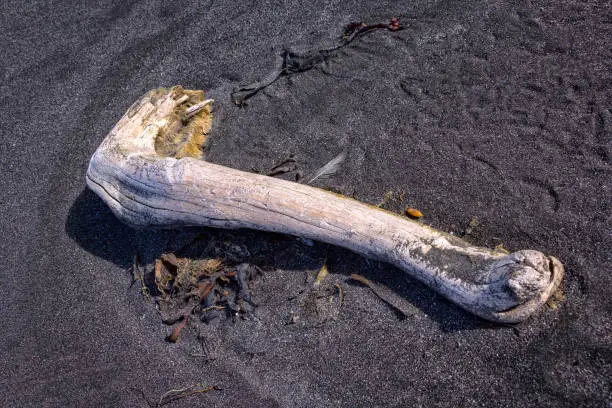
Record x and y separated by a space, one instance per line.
93 226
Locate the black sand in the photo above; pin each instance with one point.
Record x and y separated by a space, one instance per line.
496 112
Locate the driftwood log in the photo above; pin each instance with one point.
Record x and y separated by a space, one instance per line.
149 172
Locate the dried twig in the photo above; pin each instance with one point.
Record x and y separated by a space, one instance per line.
144 396
340 293
289 63
173 395
138 275
387 295
214 307
176 332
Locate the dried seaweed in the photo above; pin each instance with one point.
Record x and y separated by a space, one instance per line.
290 63
201 287
286 166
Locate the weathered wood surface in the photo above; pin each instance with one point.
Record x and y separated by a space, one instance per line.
137 173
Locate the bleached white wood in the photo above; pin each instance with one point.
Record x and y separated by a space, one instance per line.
144 189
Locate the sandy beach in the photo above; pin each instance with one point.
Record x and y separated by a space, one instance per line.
491 118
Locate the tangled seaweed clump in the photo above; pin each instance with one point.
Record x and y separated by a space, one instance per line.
202 288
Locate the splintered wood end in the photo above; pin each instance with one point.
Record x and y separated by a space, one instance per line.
187 126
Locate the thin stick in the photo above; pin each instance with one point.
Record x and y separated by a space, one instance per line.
386 295
174 395
197 108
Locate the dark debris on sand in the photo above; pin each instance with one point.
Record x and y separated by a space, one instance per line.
209 278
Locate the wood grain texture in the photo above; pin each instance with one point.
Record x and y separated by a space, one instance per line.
147 189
